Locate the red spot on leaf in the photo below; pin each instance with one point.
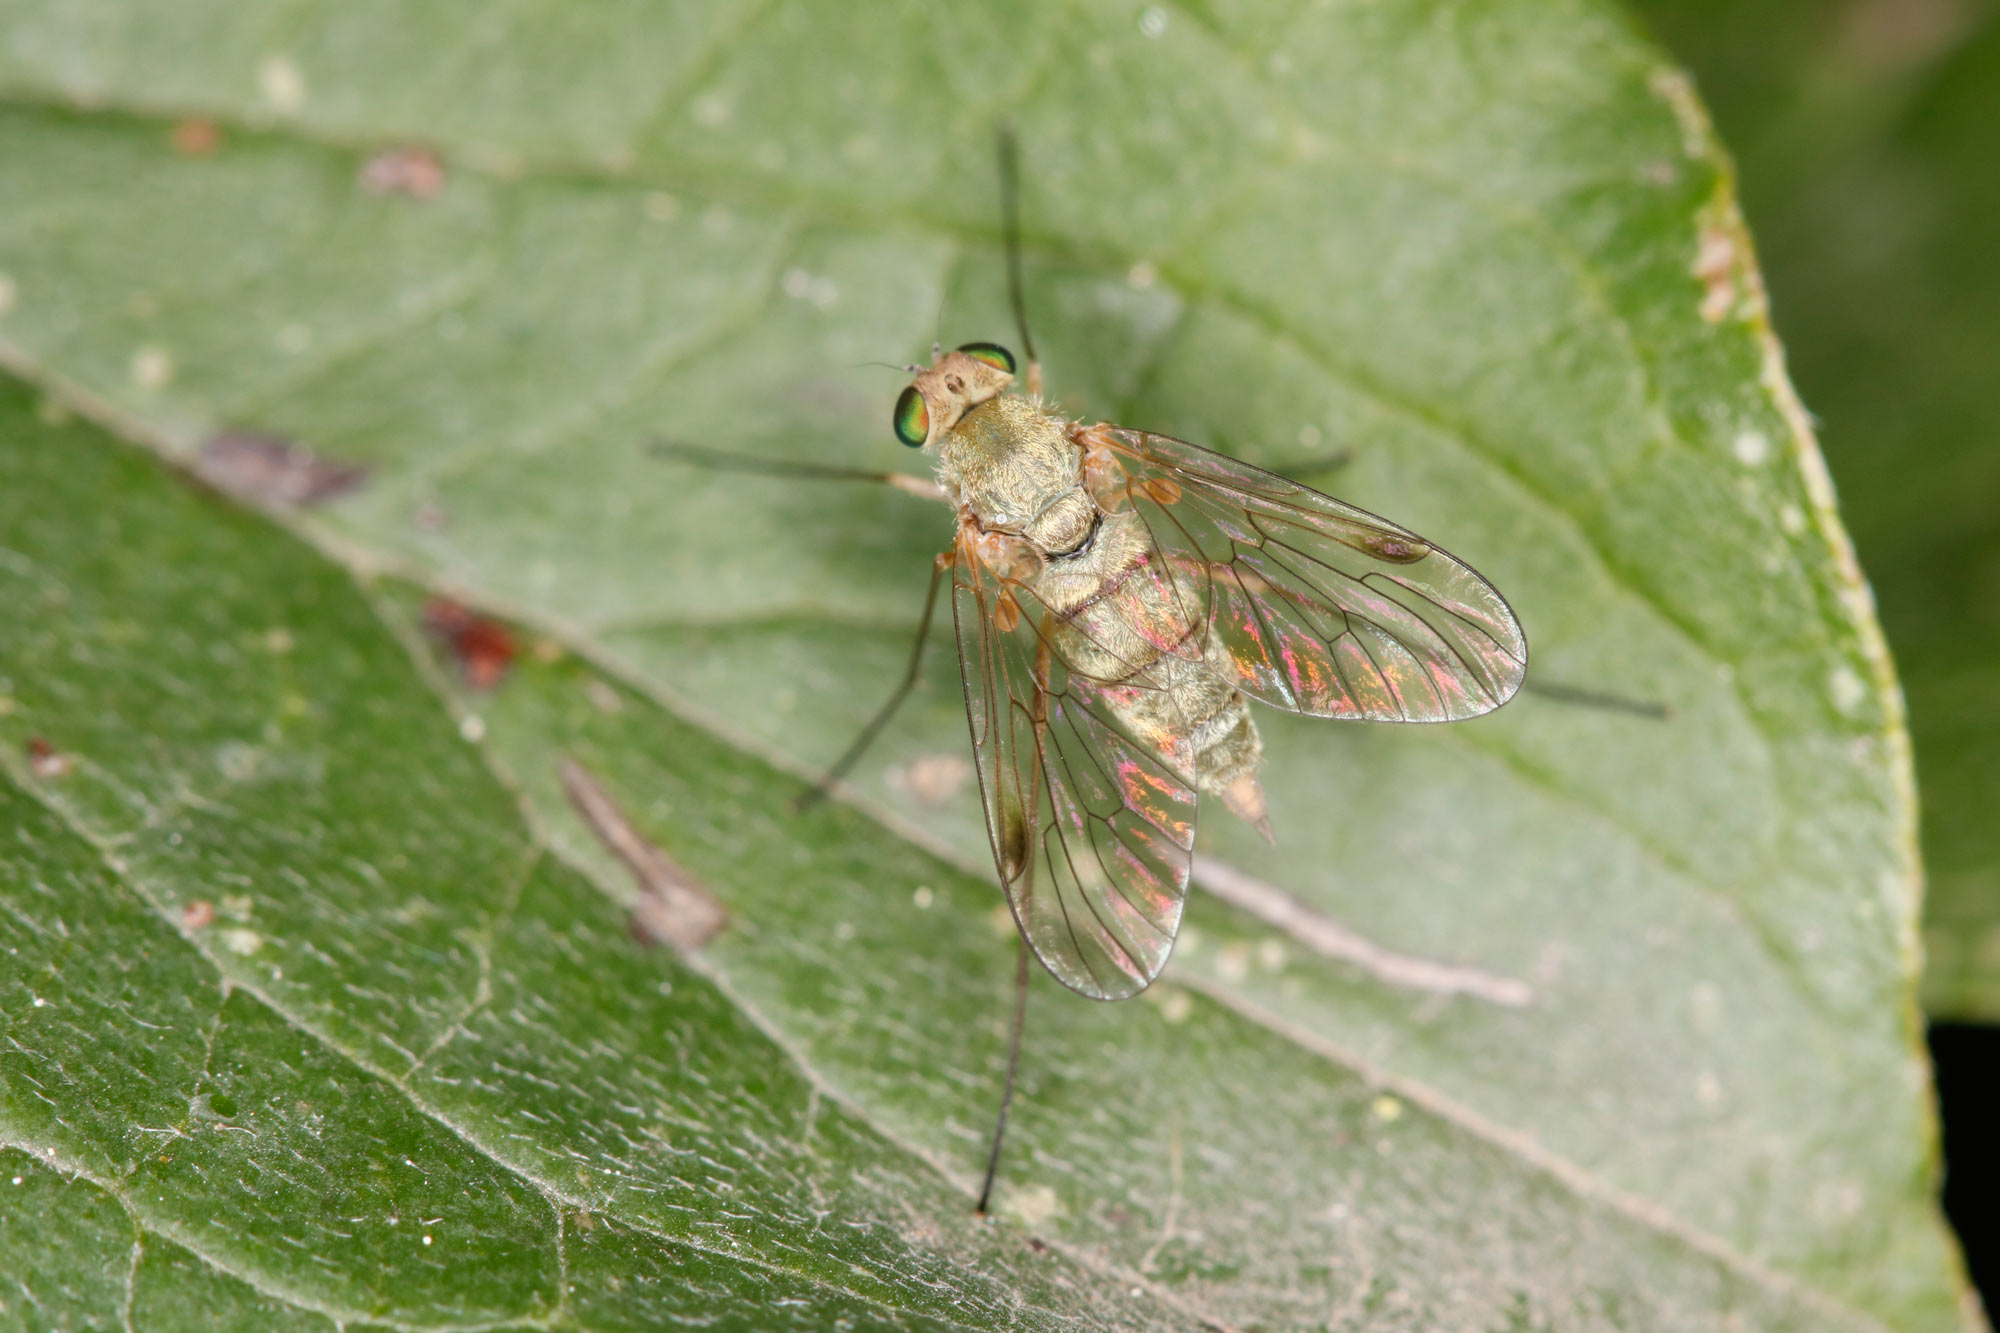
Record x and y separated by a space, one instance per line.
483 648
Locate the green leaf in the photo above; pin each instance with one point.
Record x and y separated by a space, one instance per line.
1866 153
1567 1018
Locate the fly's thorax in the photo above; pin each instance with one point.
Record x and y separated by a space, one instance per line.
1113 544
1015 469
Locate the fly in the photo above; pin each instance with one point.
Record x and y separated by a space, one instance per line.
1112 644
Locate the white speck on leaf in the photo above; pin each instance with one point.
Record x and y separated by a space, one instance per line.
1152 21
1848 689
235 760
281 82
1141 276
1387 1108
152 367
472 728
1715 264
1677 90
1753 448
1034 1205
1792 519
1233 964
923 897
242 941
932 779
1708 1088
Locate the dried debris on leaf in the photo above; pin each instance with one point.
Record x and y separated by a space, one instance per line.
482 647
672 907
272 470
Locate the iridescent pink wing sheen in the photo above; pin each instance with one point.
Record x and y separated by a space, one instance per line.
1092 828
1323 608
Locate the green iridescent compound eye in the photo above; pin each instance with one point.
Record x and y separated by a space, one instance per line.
913 418
993 354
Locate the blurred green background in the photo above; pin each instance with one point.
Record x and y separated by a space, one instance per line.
1867 139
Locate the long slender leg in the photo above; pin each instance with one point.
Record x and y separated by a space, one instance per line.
1013 1063
722 460
1010 226
1585 698
868 734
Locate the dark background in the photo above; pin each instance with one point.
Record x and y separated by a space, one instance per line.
1867 134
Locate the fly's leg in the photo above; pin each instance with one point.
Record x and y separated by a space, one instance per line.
784 467
1010 226
1588 698
723 461
853 753
1013 1064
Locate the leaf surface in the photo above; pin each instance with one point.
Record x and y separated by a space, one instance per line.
1618 1035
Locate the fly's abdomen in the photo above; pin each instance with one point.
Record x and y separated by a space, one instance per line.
1119 615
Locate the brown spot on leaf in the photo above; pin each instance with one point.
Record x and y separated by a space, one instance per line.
483 647
46 761
197 914
672 907
416 172
196 136
271 470
1038 1245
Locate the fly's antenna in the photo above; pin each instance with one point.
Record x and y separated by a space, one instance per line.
1010 230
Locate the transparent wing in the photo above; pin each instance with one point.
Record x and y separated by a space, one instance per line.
1092 827
1323 608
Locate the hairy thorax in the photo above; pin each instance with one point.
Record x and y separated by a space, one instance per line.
1114 612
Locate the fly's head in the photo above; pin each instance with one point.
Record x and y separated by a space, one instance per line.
938 399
